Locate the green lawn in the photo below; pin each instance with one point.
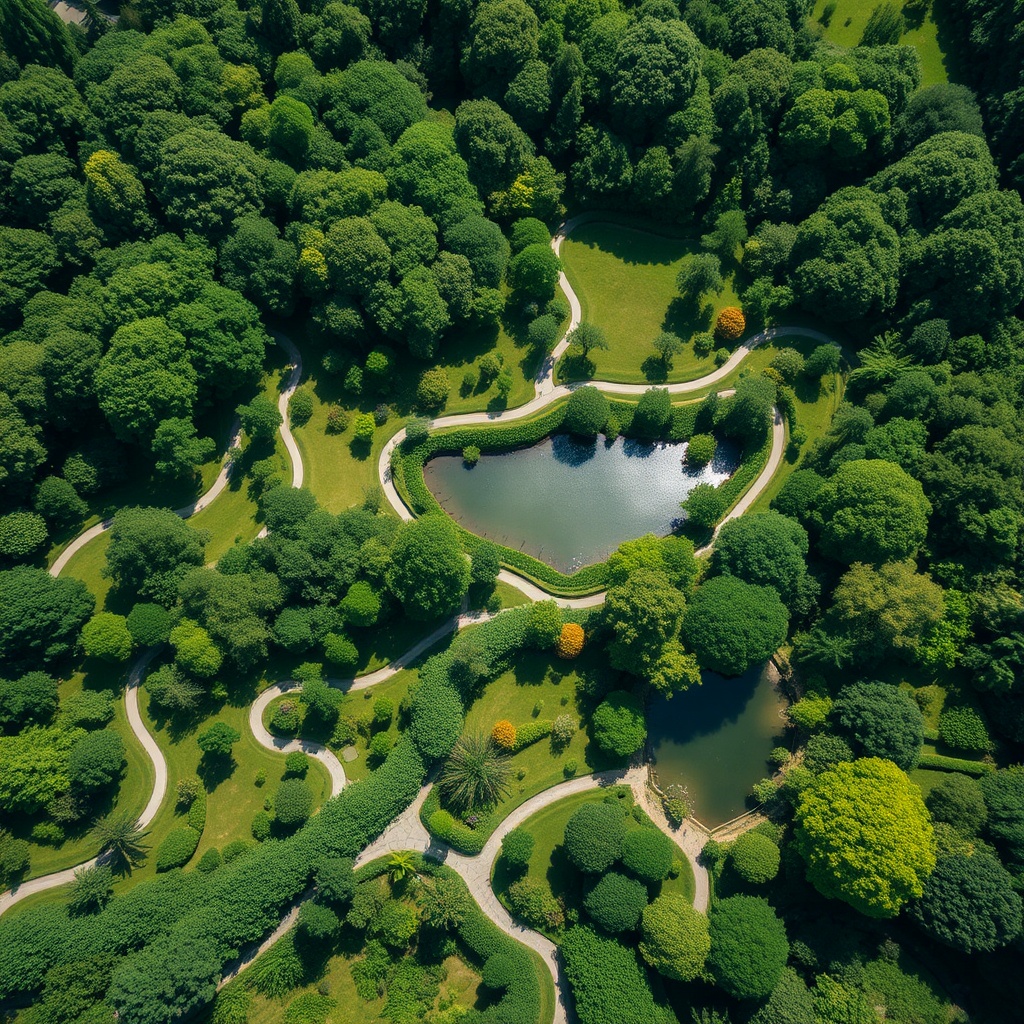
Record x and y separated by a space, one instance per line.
847 27
459 987
625 279
544 684
131 795
550 867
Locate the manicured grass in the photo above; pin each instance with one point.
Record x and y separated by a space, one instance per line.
625 280
87 566
460 987
131 795
927 779
510 597
847 27
551 868
539 679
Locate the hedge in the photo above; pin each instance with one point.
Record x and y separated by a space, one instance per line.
442 825
531 732
177 848
196 817
941 763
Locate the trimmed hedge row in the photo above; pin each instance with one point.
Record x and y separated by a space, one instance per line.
444 826
955 764
531 733
407 469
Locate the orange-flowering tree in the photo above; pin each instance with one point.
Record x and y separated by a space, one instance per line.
731 323
570 641
504 734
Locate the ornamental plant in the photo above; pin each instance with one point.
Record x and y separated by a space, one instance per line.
570 641
731 323
504 734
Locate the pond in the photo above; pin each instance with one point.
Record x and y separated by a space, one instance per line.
571 502
715 739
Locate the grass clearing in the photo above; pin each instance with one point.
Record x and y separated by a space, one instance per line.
549 865
847 26
625 279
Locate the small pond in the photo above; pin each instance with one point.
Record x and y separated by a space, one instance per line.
715 739
572 502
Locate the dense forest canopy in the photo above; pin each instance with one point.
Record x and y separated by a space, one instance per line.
182 182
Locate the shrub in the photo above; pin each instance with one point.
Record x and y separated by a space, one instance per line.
432 389
300 408
748 946
337 419
594 835
648 853
704 505
700 449
442 825
96 760
292 803
958 801
363 427
106 636
616 902
475 774
563 730
517 848
618 723
570 641
235 849
964 729
383 711
607 981
533 903
260 827
471 455
340 650
569 768
675 939
703 343
586 412
58 502
22 534
721 356
755 858
285 719
381 414
531 732
361 605
177 848
789 363
210 861
504 734
296 763
730 324
380 746
149 624
544 625
218 740
354 380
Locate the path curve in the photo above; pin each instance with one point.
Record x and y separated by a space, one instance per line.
131 693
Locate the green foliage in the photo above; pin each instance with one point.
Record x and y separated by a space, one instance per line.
106 636
476 774
652 413
755 858
964 729
810 711
293 802
607 981
218 739
731 625
863 830
749 947
91 890
700 449
871 511
881 721
96 760
586 412
33 699
594 836
22 535
428 573
148 624
705 505
618 724
177 848
969 903
675 938
958 801
616 902
517 848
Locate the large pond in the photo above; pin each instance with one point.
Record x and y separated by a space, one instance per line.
568 501
715 739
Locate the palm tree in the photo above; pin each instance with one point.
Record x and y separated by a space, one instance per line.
121 837
475 775
401 865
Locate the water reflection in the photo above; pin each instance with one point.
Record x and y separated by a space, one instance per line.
568 501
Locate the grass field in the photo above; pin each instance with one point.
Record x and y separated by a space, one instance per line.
847 26
550 867
625 279
543 684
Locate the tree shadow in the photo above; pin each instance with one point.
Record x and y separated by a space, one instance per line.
655 370
215 770
686 317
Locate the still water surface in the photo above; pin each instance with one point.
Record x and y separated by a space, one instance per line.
715 739
571 502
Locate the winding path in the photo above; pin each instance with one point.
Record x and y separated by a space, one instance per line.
407 831
131 693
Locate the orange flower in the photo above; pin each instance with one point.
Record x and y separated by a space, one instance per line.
731 323
570 641
504 734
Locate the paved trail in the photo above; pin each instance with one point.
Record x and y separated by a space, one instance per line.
407 832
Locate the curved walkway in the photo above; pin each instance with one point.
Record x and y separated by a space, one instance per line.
131 693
